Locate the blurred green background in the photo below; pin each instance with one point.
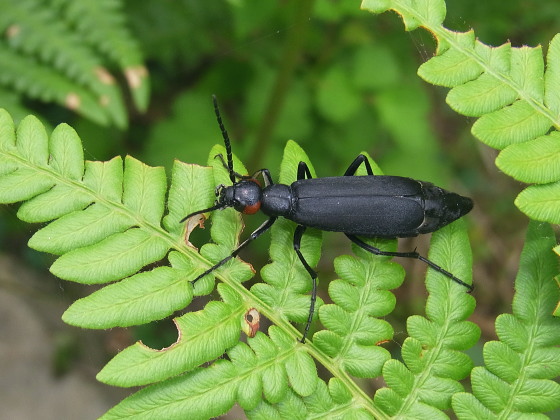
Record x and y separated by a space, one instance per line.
335 79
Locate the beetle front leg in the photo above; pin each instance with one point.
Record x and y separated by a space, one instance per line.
356 164
236 175
414 255
258 232
297 242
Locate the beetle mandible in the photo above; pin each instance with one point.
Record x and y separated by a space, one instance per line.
370 206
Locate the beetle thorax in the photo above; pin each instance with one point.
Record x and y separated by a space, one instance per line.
277 200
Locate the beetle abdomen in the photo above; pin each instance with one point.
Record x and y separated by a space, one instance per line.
379 216
376 206
381 206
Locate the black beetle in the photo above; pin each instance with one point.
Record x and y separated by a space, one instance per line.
370 206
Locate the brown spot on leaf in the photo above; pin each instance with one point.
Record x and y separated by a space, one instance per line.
134 76
72 101
190 224
104 76
104 100
252 320
12 31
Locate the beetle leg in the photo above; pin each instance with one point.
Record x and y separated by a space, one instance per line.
303 171
258 232
236 175
414 254
356 164
265 174
297 241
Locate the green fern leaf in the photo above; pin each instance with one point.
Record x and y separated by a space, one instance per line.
432 353
136 300
101 25
38 31
26 76
537 160
540 202
201 394
509 90
353 328
263 368
203 336
516 379
107 222
114 258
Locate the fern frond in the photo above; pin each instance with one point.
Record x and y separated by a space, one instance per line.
27 77
507 88
45 57
100 23
107 222
39 32
516 379
432 354
261 369
361 297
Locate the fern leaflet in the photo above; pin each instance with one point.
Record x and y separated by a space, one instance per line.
516 379
44 56
514 97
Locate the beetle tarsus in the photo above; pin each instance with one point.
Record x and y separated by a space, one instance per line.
414 255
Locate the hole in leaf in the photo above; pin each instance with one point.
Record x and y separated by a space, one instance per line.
157 334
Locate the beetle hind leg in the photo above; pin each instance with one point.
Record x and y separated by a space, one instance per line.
351 171
297 242
303 171
414 255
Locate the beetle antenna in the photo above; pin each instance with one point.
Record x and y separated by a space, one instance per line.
226 140
214 207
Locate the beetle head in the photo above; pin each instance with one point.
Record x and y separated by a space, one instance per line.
244 196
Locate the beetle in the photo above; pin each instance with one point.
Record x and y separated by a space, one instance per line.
371 205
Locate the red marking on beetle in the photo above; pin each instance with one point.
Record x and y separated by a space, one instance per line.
256 181
252 209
